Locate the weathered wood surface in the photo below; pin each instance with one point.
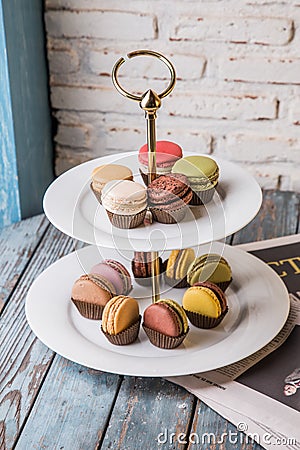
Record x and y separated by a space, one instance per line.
47 402
17 243
278 216
211 431
24 359
146 411
72 408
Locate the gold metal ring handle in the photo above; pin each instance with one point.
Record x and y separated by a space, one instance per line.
143 53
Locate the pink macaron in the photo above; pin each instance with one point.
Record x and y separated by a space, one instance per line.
167 153
116 273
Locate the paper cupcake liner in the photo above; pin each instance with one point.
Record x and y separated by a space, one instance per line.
202 197
168 217
162 340
126 222
125 337
176 283
201 321
224 284
89 310
96 193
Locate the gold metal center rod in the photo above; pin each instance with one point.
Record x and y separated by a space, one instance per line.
150 103
151 141
155 276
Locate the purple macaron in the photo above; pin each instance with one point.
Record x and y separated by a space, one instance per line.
116 273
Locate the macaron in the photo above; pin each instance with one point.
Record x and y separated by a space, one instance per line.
165 323
108 172
90 293
203 175
210 267
177 266
116 273
167 153
205 304
168 196
141 268
125 203
121 320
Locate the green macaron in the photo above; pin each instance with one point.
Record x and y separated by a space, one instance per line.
202 171
203 175
210 267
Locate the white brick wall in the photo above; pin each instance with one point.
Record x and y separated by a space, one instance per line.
239 30
262 70
238 71
101 25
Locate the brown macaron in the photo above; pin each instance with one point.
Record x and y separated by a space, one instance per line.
168 196
142 268
90 293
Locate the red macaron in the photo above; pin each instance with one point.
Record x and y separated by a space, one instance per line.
167 153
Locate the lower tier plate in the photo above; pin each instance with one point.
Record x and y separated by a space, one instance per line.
258 308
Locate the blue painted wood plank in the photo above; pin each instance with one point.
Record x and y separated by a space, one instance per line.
9 189
27 65
278 216
210 430
81 400
148 414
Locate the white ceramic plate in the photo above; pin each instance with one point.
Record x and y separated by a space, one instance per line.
71 206
258 307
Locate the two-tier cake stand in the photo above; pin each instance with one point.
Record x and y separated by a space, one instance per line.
255 293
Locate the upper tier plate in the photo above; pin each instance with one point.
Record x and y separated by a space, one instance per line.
71 206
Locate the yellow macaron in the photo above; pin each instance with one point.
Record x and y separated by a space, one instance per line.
205 304
119 314
203 301
177 266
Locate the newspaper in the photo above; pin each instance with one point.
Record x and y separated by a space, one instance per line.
261 393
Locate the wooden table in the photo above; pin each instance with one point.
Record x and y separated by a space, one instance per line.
48 402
